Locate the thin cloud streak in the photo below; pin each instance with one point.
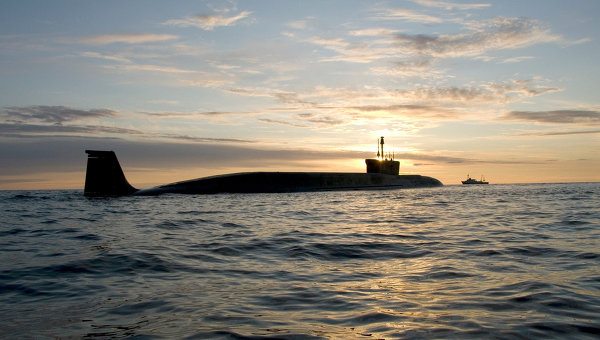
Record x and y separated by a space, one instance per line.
440 103
476 39
297 24
51 114
373 32
516 59
208 22
190 114
481 36
27 131
556 116
109 57
410 110
408 15
321 119
127 39
419 68
495 92
450 5
561 133
364 52
281 122
149 68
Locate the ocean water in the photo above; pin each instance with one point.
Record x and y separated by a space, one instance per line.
497 261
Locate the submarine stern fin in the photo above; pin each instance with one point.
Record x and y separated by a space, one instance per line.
104 176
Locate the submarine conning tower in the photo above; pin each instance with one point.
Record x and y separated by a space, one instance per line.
383 164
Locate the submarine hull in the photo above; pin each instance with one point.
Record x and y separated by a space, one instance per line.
105 178
274 182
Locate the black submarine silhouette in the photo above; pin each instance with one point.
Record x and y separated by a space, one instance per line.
105 178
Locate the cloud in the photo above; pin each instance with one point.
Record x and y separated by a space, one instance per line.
496 92
437 158
27 131
429 96
408 15
18 130
297 24
292 98
476 39
561 133
417 68
330 43
178 76
208 22
320 119
516 59
409 110
360 52
481 36
149 68
556 116
581 41
164 102
450 5
56 121
423 102
284 97
202 139
51 114
171 114
127 38
282 122
109 57
433 158
372 32
250 92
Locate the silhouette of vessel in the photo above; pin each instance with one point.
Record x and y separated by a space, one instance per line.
104 177
470 180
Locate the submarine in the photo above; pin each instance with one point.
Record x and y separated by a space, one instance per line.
105 178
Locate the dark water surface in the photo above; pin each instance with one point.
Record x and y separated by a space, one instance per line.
505 261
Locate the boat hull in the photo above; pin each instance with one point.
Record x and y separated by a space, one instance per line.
273 182
473 183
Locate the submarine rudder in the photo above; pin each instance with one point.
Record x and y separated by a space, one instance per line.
104 176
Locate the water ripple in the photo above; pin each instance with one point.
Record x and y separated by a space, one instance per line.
501 261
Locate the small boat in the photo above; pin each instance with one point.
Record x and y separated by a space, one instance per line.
470 180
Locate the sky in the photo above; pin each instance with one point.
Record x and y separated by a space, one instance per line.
186 89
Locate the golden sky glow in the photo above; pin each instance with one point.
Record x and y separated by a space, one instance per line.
179 91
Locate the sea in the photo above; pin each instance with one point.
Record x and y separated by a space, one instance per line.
487 261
